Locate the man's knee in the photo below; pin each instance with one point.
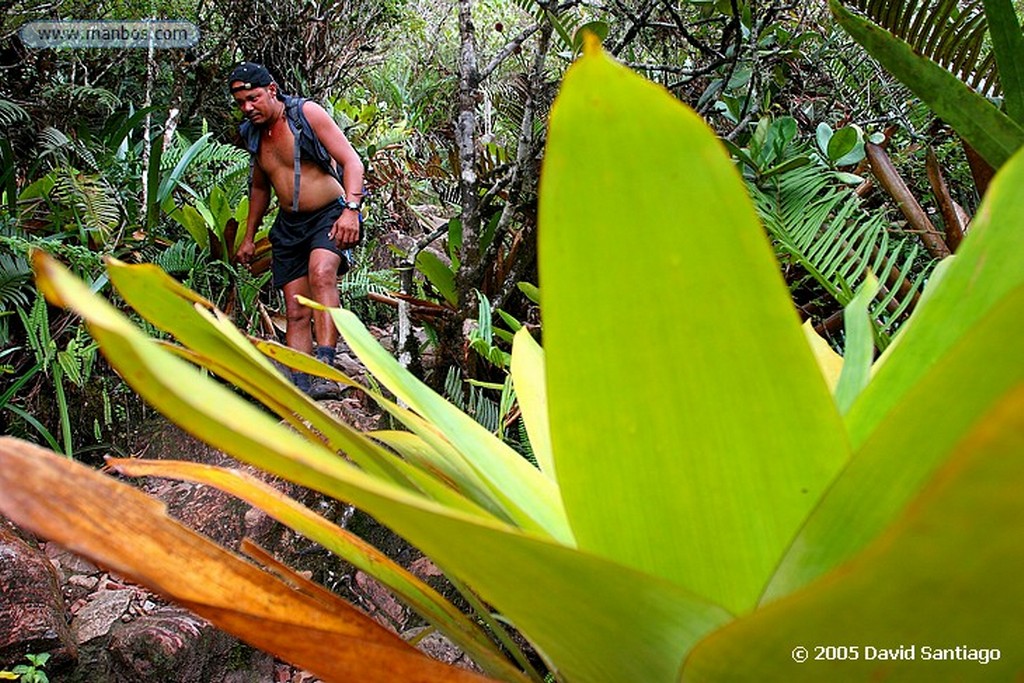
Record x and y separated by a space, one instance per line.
296 312
323 273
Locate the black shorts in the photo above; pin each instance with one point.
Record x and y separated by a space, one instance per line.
294 236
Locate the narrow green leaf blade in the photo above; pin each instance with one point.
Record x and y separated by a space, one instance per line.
986 268
1008 44
860 346
535 499
738 436
904 450
529 380
343 543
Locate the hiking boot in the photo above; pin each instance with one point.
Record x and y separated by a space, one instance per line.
321 389
301 380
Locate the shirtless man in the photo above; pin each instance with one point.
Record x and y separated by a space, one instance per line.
316 221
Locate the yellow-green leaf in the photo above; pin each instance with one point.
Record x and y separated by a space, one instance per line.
528 378
691 429
946 577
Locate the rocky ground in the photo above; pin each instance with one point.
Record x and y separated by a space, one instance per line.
102 629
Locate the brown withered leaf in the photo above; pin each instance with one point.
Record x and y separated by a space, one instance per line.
124 530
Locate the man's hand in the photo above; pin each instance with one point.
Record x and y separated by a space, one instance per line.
246 250
345 231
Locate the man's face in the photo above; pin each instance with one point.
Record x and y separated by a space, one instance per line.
256 103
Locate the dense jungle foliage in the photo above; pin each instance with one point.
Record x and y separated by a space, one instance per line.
132 153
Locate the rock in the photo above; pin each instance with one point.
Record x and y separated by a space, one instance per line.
379 603
31 605
173 646
437 646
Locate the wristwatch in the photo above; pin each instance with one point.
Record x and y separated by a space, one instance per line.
355 206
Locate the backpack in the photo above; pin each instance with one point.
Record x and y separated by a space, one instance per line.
307 144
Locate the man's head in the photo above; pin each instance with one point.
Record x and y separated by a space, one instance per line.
254 91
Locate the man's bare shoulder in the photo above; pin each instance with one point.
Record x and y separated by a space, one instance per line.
316 115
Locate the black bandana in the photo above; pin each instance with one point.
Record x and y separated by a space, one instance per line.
251 76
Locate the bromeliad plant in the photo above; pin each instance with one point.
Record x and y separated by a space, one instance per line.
702 504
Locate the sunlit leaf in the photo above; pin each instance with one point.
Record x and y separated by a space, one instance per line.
719 480
528 376
944 576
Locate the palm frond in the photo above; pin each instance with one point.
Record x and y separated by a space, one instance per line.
11 113
565 24
952 33
15 280
215 164
820 223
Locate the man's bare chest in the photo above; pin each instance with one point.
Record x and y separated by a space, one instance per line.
277 147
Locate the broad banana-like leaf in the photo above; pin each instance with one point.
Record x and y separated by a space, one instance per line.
130 533
943 581
717 482
993 134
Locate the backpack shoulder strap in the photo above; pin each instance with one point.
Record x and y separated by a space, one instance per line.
297 122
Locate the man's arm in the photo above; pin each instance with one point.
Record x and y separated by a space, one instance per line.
259 202
345 232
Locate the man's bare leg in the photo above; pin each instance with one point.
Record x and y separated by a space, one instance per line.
297 331
323 282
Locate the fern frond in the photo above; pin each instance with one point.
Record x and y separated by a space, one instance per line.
453 389
820 223
93 199
181 257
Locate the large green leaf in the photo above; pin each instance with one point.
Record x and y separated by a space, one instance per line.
692 430
580 610
946 575
993 134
